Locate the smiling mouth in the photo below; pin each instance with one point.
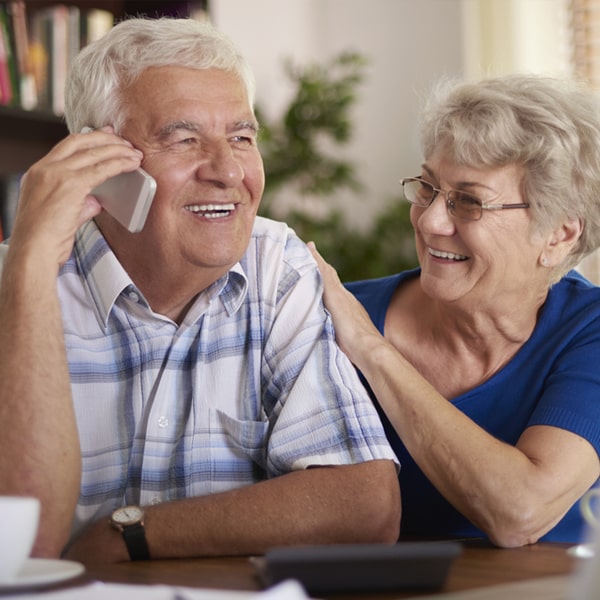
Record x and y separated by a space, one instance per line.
211 211
447 255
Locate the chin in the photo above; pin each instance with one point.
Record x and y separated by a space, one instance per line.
441 289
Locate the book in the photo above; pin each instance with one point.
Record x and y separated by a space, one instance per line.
95 22
39 49
49 31
9 199
58 33
16 12
6 68
20 38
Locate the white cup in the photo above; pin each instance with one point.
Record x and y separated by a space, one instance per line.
19 518
590 507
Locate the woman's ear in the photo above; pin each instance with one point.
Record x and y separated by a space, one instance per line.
561 242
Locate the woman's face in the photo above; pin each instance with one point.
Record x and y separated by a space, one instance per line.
486 262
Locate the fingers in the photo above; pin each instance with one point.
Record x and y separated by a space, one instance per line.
315 253
328 273
91 208
55 195
94 157
321 263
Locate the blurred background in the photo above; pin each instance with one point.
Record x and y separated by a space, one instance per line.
340 84
394 51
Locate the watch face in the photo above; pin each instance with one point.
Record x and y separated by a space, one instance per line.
128 515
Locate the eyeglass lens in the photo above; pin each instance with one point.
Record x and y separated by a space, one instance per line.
459 204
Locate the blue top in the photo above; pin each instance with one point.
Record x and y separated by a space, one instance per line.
554 380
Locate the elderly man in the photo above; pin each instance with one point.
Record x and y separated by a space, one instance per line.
187 372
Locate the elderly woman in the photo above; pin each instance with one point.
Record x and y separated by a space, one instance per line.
485 361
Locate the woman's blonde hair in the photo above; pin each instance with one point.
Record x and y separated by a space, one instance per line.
548 126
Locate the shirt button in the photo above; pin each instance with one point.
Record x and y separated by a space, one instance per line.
163 422
133 296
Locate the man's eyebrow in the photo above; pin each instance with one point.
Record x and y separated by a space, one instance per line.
246 124
170 128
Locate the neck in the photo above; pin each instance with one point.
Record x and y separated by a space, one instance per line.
472 342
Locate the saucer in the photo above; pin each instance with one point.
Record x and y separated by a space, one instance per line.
40 572
582 551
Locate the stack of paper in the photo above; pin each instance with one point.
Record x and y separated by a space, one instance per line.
288 590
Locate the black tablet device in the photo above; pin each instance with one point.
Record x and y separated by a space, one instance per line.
359 567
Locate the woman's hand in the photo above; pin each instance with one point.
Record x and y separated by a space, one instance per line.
354 330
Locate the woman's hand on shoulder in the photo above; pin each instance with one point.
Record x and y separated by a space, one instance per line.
353 326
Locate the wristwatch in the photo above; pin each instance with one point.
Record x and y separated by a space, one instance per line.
129 520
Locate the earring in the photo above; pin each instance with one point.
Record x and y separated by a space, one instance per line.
544 261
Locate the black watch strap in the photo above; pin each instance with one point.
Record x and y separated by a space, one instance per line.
135 539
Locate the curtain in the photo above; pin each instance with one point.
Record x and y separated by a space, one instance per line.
584 25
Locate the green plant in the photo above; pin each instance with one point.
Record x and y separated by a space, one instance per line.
294 154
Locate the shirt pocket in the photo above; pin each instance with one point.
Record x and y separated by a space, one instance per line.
238 450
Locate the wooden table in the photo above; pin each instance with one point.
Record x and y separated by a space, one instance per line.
479 565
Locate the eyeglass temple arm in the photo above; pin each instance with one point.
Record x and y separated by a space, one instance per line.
503 206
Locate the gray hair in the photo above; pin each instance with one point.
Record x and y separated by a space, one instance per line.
104 68
550 127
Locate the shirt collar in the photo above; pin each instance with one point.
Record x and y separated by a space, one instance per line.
103 275
106 279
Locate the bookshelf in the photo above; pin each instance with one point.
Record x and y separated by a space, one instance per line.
26 135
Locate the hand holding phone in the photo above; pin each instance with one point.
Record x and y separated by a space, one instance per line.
127 197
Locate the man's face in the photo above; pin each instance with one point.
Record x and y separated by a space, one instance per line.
198 135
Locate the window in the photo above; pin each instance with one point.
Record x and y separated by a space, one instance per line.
585 39
507 36
584 26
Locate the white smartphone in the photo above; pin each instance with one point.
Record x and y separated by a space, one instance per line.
127 196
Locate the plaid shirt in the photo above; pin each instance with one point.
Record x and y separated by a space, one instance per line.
250 386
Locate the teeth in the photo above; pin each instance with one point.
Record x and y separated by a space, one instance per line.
211 211
447 255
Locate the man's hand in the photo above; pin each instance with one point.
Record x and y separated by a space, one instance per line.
39 449
310 506
99 544
55 198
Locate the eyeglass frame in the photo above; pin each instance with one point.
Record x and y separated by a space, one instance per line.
450 204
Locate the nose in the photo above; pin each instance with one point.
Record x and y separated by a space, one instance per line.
220 165
435 218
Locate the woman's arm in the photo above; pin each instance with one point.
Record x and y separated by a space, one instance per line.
514 494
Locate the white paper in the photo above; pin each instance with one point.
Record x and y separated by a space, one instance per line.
287 590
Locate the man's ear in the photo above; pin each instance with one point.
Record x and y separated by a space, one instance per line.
561 242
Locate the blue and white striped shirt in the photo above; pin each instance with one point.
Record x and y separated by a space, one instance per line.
250 386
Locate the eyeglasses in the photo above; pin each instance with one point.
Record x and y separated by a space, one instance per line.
458 204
